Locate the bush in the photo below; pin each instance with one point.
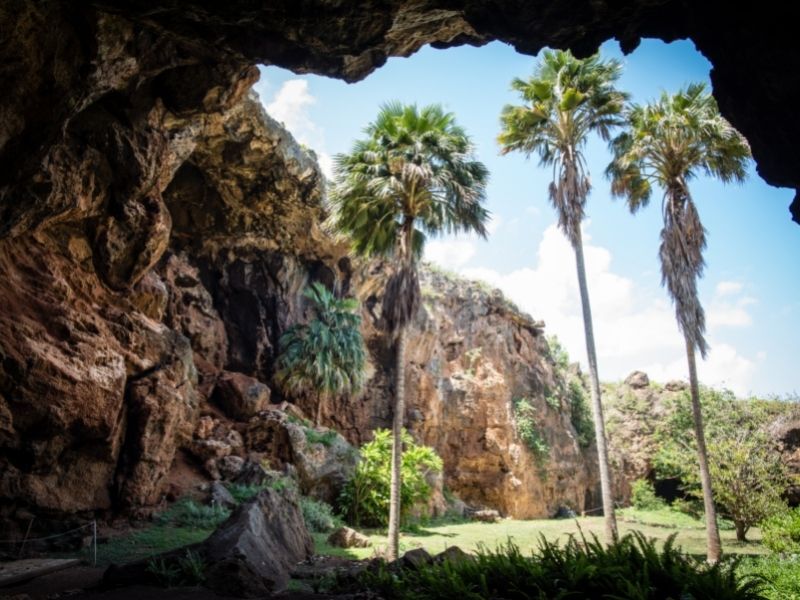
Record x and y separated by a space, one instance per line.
781 575
187 570
580 413
632 568
529 433
318 515
643 496
781 532
365 498
243 492
326 438
190 514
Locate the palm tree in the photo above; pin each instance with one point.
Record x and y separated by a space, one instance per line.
413 175
326 356
667 143
565 101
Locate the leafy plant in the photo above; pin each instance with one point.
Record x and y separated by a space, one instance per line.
580 413
781 532
780 575
633 568
325 356
188 569
318 515
167 572
365 498
326 438
243 492
190 514
643 496
529 433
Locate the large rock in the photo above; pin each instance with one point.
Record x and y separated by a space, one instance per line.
253 552
345 537
637 380
240 396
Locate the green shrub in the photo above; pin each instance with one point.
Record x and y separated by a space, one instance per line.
365 498
781 533
633 568
318 515
186 570
190 514
781 575
643 496
243 492
529 433
580 413
326 438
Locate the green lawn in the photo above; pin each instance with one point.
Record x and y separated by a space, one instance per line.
469 536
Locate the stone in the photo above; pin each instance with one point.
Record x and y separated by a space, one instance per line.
240 396
218 495
637 380
676 386
345 537
229 467
486 516
254 551
452 555
412 560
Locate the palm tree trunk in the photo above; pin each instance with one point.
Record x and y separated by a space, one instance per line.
397 446
597 406
714 550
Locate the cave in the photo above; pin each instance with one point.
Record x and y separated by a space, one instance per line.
157 227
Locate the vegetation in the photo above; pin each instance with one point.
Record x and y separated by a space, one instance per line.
748 476
632 567
318 515
780 575
186 570
365 498
781 532
529 431
326 438
580 413
668 142
643 496
325 356
189 514
565 101
413 175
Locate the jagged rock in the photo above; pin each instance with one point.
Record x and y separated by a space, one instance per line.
344 537
412 560
230 467
637 380
452 555
240 396
676 386
253 552
485 516
256 474
220 496
322 467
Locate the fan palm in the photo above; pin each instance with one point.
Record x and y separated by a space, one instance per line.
326 356
667 143
565 101
413 175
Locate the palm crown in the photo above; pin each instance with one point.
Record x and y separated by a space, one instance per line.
667 144
415 169
325 356
565 100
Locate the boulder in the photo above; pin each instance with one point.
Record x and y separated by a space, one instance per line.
253 552
344 537
676 385
637 380
220 496
486 516
241 396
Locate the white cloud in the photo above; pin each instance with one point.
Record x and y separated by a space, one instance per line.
451 254
290 105
634 326
729 288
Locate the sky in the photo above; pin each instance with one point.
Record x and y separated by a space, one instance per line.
751 288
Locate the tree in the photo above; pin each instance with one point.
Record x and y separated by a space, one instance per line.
413 175
565 101
668 142
326 356
748 475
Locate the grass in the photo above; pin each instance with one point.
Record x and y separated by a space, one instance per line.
147 542
782 575
526 534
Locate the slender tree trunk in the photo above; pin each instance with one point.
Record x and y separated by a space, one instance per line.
397 446
714 550
597 405
741 531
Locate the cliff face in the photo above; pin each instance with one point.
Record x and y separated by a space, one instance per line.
471 357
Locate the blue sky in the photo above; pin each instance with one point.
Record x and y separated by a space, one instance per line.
751 289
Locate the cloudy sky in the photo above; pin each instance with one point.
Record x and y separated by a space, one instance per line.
751 290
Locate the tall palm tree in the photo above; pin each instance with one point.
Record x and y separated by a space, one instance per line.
668 142
565 101
413 175
326 356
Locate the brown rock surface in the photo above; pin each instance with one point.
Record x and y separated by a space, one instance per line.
241 397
